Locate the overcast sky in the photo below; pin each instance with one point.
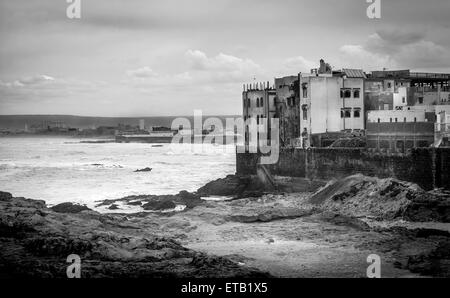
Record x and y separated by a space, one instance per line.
145 57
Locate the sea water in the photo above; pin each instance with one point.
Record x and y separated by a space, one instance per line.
57 169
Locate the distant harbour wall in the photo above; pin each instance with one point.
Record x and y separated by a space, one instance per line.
216 139
428 167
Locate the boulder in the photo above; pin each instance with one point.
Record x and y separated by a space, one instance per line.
5 196
113 207
159 205
233 185
147 169
69 208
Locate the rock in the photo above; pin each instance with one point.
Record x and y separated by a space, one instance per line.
35 242
5 196
266 215
135 203
188 199
159 205
69 208
342 220
113 207
162 202
233 185
436 262
383 199
147 169
204 261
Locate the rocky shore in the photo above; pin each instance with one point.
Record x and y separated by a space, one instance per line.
322 231
35 242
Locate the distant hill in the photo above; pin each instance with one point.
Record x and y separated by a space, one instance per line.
19 121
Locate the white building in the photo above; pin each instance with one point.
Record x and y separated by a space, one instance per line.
332 102
384 116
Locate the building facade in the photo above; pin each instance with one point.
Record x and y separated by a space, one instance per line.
391 110
258 103
287 103
331 105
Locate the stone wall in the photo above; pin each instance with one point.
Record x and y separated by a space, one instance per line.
427 167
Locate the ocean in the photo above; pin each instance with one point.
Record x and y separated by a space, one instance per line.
58 169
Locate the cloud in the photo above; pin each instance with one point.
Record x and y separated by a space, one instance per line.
299 64
28 81
222 67
200 70
201 81
400 37
144 72
357 56
399 49
44 87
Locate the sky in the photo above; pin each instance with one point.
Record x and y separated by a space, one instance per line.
157 58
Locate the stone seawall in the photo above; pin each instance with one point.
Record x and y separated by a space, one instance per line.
428 167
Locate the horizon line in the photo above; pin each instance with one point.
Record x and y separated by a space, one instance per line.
70 115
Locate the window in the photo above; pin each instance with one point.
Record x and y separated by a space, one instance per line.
357 113
400 145
420 99
404 119
305 90
356 93
403 99
390 119
347 93
257 102
389 84
262 102
346 113
395 119
415 119
378 120
257 119
305 112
